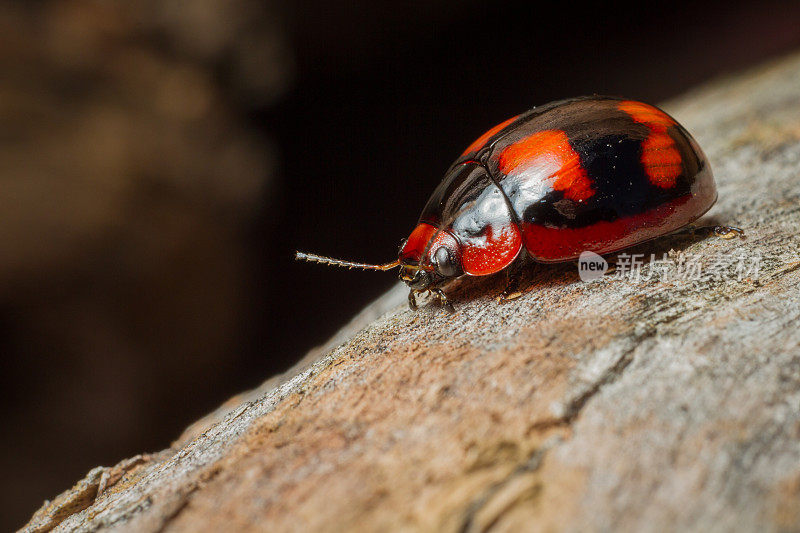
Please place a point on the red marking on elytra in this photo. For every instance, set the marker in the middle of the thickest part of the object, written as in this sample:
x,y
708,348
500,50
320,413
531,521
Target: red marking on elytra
x,y
660,157
549,149
478,143
548,244
491,252
646,114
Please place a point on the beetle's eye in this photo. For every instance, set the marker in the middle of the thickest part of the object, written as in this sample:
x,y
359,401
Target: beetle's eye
x,y
445,265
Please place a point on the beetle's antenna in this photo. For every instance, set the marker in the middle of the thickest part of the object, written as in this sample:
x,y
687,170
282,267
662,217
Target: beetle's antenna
x,y
313,258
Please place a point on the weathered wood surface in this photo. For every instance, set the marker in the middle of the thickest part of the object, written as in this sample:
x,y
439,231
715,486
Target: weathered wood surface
x,y
662,403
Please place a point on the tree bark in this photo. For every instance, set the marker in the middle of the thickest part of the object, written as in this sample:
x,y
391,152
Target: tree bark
x,y
665,398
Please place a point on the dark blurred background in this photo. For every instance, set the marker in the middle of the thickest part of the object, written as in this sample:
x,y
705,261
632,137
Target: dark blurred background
x,y
160,160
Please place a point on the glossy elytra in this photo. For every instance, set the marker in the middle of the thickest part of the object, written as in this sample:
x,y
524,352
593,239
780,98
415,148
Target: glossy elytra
x,y
592,173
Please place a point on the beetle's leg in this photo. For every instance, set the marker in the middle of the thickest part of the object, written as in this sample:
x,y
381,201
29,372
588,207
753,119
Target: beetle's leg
x,y
724,232
511,292
513,279
443,301
412,299
728,232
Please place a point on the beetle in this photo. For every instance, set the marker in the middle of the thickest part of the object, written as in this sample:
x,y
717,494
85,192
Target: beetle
x,y
596,173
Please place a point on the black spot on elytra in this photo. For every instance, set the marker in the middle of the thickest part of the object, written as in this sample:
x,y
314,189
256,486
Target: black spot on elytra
x,y
622,188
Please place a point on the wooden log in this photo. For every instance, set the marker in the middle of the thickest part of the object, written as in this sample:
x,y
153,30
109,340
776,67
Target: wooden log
x,y
664,398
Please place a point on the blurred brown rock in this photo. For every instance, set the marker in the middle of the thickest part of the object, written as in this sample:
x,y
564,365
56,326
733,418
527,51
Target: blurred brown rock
x,y
663,404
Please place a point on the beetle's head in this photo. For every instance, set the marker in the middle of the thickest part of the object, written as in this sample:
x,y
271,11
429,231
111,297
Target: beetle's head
x,y
429,257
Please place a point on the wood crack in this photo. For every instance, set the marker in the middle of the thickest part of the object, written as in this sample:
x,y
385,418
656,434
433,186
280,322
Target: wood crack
x,y
530,465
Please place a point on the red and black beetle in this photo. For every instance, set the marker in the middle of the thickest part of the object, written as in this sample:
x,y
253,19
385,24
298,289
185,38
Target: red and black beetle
x,y
591,173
